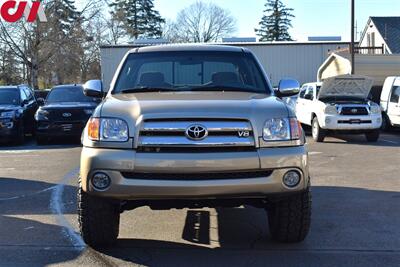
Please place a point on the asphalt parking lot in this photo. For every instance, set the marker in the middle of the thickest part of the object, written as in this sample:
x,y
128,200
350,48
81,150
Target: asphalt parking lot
x,y
355,222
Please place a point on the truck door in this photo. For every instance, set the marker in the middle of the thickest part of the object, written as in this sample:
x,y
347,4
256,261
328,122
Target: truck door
x,y
393,110
300,105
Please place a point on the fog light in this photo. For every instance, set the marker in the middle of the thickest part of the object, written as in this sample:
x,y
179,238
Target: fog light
x,y
101,181
9,125
327,120
291,178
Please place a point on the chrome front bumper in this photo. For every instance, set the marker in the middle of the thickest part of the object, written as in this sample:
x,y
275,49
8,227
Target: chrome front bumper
x,y
114,162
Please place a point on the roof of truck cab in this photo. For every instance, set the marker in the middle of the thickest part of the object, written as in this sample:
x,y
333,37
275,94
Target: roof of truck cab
x,y
9,87
188,47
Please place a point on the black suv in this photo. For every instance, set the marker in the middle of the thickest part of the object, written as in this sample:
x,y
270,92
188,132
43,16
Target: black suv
x,y
64,113
17,108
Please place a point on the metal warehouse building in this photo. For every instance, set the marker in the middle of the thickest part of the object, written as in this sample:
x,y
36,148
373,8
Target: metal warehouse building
x,y
298,60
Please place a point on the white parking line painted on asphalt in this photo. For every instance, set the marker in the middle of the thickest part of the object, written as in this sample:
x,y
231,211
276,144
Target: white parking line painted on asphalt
x,y
314,153
57,208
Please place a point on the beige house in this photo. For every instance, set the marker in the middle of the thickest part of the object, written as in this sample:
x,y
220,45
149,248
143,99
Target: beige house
x,y
377,55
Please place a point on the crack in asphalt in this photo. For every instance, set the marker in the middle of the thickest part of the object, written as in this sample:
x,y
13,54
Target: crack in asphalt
x,y
30,194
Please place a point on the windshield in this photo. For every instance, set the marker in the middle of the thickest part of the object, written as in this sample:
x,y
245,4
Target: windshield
x,y
68,94
9,97
186,71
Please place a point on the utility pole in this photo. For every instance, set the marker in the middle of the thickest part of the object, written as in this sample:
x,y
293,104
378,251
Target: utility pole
x,y
352,50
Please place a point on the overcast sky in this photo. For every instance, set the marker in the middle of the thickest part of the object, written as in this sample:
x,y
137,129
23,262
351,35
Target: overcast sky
x,y
313,17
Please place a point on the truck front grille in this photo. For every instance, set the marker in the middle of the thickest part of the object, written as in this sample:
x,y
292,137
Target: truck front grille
x,y
197,176
354,111
163,135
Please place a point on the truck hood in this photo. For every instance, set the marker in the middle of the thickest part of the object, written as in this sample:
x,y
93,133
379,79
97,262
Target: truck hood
x,y
6,107
347,86
67,105
134,108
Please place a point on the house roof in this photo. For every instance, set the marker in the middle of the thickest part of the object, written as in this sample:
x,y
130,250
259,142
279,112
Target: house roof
x,y
389,28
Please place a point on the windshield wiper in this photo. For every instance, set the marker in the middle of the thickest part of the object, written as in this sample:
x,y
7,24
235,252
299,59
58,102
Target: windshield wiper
x,y
146,89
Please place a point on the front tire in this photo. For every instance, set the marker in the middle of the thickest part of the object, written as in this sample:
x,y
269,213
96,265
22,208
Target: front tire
x,y
372,136
98,219
289,219
318,133
40,140
386,125
21,135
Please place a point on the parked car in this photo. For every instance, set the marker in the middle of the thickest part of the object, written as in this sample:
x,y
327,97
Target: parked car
x,y
193,126
41,95
339,104
64,114
390,103
17,108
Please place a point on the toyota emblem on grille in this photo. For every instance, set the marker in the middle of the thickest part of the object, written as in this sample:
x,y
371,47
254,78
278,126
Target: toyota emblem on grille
x,y
354,110
66,115
196,132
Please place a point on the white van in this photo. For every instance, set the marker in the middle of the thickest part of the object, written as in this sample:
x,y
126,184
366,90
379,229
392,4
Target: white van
x,y
390,102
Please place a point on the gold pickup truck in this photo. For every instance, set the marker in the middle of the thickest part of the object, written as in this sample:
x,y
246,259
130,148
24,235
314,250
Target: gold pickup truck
x,y
189,126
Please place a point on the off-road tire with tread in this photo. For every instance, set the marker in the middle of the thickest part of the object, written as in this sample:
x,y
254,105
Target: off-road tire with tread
x,y
98,219
289,219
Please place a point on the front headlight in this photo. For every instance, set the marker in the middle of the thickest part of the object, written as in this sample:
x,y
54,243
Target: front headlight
x,y
41,115
108,130
7,114
283,129
375,109
330,109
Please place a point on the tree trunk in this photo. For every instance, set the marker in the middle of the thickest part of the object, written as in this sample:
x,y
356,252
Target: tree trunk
x,y
35,74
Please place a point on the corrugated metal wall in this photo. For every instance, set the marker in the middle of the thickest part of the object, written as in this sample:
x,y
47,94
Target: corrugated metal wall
x,y
280,60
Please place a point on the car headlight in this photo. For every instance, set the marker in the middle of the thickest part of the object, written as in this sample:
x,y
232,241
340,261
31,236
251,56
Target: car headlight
x,y
330,109
108,130
7,114
283,129
375,109
41,115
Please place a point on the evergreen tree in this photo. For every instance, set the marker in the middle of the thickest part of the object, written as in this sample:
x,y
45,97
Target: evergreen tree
x,y
275,23
65,24
139,17
65,12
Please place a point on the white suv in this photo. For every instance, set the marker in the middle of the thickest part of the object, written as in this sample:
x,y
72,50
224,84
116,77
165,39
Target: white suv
x,y
339,104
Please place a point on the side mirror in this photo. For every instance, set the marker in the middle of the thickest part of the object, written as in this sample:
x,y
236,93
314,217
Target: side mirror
x,y
288,87
24,102
93,88
40,101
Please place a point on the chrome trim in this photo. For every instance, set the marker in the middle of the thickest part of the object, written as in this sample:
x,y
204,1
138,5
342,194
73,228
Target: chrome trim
x,y
287,143
212,126
182,141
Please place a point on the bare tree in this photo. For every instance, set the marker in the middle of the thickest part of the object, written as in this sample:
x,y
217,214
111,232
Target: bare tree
x,y
39,46
201,22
